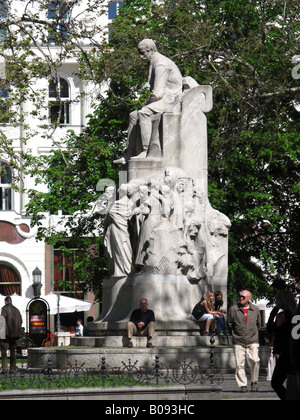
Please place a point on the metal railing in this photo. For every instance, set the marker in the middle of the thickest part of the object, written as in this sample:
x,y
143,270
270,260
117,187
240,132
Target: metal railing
x,y
128,374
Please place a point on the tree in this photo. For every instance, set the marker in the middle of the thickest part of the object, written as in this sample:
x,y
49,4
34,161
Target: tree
x,y
245,52
35,40
72,177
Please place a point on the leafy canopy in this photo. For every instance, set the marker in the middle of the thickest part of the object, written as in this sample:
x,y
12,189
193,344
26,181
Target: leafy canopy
x,y
245,51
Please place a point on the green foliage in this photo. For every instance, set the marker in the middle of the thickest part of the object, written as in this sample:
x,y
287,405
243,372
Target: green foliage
x,y
244,50
71,176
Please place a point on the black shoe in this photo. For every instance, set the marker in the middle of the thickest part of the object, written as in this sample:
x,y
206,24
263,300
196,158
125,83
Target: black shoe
x,y
254,387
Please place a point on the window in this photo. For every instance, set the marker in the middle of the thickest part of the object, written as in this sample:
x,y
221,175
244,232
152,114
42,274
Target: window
x,y
10,281
3,16
113,9
5,187
64,283
59,101
58,14
63,274
4,107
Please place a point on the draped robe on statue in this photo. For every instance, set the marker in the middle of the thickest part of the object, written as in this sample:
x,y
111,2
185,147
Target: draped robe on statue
x,y
117,237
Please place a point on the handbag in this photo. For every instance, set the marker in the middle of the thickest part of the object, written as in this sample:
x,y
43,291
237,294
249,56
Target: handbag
x,y
271,367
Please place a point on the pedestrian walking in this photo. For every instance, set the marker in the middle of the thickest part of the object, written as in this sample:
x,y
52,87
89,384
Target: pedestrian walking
x,y
244,322
280,325
293,382
79,328
13,320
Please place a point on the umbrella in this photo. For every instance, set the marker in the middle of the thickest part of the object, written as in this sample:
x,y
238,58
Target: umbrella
x,y
66,304
20,302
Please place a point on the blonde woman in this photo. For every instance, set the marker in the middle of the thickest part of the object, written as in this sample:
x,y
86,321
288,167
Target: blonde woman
x,y
210,314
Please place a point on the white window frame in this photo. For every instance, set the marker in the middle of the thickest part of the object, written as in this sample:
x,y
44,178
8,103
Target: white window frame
x,y
4,95
64,102
5,190
53,15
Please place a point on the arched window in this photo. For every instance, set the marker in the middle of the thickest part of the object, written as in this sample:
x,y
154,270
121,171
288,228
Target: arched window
x,y
10,281
59,101
5,187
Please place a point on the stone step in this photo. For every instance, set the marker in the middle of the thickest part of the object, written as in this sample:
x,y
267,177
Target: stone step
x,y
158,341
64,357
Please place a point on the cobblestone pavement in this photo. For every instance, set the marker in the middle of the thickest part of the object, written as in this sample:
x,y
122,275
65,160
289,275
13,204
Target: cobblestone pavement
x,y
230,390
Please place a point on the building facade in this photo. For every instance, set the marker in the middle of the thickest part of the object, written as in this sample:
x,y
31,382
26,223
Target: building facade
x,y
20,252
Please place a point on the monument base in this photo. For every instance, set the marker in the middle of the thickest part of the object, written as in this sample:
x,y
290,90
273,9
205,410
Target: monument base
x,y
171,297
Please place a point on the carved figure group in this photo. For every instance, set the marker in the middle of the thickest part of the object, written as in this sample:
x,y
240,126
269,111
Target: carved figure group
x,y
153,227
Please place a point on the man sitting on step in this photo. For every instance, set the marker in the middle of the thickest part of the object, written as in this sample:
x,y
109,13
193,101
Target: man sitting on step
x,y
141,323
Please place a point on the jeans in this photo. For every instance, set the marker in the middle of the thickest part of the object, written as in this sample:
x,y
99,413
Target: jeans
x,y
221,325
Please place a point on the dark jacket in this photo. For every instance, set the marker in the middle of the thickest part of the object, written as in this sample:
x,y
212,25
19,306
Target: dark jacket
x,y
295,342
139,316
244,333
281,333
13,320
199,310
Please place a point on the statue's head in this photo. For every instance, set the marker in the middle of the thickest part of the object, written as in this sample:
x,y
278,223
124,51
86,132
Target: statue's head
x,y
146,49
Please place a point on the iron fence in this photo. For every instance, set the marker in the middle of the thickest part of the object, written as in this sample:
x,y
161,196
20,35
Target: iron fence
x,y
128,374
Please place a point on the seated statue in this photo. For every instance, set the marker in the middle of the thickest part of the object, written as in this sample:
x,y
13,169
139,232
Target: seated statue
x,y
166,84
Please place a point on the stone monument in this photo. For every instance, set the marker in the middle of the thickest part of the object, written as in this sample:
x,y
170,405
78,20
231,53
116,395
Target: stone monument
x,y
163,239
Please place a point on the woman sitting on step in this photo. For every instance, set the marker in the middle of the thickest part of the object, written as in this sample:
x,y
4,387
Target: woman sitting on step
x,y
204,311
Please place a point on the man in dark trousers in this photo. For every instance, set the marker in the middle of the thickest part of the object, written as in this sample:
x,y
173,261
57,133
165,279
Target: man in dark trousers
x,y
141,323
13,321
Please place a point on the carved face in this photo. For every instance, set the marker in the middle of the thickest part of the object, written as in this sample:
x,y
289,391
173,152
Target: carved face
x,y
143,191
109,192
180,185
145,53
193,230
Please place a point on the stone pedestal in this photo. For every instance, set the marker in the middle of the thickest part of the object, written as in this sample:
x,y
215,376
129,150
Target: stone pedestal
x,y
173,245
140,168
169,296
172,299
